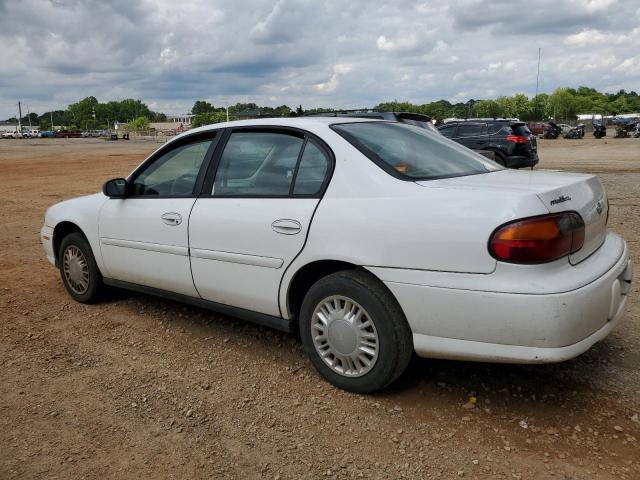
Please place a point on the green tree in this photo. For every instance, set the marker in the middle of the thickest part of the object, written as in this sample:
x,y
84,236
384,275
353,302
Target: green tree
x,y
522,107
81,113
562,104
488,109
138,124
202,106
209,118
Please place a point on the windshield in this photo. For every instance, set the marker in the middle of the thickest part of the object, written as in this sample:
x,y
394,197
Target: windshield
x,y
413,153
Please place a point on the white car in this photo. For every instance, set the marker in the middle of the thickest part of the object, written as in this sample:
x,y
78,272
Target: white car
x,y
11,135
373,239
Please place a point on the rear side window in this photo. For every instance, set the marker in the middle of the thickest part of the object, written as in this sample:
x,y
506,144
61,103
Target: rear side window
x,y
312,170
413,153
499,129
472,129
521,129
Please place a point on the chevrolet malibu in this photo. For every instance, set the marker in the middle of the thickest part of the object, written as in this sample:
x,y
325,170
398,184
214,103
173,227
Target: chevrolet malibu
x,y
371,239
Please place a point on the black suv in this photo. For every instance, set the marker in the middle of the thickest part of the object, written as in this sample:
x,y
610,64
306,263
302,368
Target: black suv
x,y
416,119
511,141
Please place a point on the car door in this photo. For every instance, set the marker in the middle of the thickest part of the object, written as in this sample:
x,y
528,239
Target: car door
x,y
254,214
144,236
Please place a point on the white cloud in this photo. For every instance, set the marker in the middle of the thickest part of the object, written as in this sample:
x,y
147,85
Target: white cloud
x,y
594,37
338,71
406,42
314,53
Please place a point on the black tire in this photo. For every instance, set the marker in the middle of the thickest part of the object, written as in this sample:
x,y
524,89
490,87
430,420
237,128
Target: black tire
x,y
95,288
394,335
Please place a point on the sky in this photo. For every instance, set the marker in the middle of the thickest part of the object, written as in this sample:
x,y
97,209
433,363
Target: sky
x,y
345,54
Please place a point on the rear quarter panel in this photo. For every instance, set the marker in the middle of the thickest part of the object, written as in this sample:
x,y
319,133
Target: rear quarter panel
x,y
369,218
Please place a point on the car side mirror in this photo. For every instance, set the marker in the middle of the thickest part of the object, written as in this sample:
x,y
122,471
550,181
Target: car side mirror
x,y
115,188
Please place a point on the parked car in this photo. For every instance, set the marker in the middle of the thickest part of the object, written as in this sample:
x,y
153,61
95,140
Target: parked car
x,y
537,128
93,133
30,133
47,134
416,119
68,134
373,239
511,141
11,135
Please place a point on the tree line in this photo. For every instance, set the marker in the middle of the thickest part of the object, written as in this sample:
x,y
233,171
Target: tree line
x,y
90,114
562,104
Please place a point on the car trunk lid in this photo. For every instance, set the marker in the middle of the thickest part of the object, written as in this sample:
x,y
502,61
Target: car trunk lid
x,y
587,197
558,192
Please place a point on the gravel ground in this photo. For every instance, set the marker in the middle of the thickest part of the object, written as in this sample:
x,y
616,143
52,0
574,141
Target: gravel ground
x,y
148,388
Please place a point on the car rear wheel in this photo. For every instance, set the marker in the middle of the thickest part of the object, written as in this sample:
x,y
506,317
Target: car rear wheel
x,y
78,269
354,332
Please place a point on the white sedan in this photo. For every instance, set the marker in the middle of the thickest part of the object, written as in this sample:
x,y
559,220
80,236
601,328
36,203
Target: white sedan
x,y
372,239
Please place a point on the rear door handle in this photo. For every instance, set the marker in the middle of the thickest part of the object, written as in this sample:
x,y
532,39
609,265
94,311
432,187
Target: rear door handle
x,y
171,218
286,226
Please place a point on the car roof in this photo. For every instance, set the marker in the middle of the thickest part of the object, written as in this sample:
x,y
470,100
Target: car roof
x,y
299,122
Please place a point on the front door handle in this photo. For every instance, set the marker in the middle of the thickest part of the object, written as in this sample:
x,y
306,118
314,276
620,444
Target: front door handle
x,y
171,218
286,226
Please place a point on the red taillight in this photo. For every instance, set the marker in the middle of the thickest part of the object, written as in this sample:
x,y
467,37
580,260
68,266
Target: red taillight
x,y
538,239
518,138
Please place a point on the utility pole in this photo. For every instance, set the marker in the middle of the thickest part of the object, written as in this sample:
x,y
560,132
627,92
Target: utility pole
x,y
537,82
19,118
51,116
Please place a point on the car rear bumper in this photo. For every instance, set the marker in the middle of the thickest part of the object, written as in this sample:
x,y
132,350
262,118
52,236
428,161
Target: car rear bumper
x,y
466,323
517,161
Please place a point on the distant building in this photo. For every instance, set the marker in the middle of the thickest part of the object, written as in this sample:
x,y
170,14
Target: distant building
x,y
9,127
185,120
589,116
168,128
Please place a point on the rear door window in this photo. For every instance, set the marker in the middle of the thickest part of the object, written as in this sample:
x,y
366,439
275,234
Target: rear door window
x,y
257,164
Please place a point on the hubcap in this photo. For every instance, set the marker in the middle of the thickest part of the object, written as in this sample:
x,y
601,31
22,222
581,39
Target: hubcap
x,y
75,269
344,336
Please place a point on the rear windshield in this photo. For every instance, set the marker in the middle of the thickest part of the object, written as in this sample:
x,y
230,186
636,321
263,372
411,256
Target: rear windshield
x,y
419,123
413,153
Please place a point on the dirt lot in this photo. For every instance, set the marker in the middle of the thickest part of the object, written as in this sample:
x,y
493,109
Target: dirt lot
x,y
145,388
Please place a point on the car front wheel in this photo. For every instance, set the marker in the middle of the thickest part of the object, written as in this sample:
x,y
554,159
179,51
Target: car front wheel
x,y
354,332
78,269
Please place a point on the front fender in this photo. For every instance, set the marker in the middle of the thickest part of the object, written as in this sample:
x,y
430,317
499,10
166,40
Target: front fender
x,y
83,212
